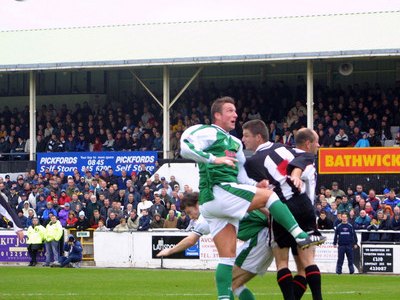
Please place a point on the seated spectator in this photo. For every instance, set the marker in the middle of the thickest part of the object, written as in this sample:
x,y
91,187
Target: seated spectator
x,y
71,220
31,215
122,226
384,224
157,222
47,212
387,210
171,220
64,198
108,145
94,220
374,226
345,205
375,202
112,221
337,220
74,249
183,221
133,220
97,146
26,207
82,145
352,217
360,191
83,222
323,222
362,221
341,139
127,211
335,191
22,219
144,221
63,214
392,200
157,207
70,144
369,210
102,227
374,140
144,204
395,225
363,142
329,197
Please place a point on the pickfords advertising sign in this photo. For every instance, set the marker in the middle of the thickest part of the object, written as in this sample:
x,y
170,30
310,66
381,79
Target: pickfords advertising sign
x,y
67,162
359,160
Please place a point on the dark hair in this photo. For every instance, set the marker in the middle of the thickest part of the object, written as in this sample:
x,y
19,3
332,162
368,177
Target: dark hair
x,y
257,127
189,200
303,135
216,107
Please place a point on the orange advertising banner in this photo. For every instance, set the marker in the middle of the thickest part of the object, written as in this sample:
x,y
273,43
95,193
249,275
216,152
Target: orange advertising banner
x,y
359,160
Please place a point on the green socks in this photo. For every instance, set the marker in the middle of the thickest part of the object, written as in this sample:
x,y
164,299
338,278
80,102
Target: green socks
x,y
246,294
283,216
223,277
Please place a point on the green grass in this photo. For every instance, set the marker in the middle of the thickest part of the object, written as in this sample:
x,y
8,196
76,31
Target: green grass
x,y
97,283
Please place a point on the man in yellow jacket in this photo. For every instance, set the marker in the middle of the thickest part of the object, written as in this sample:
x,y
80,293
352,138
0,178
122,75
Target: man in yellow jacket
x,y
36,236
54,232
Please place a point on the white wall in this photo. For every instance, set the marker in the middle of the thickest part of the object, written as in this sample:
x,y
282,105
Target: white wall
x,y
185,173
134,249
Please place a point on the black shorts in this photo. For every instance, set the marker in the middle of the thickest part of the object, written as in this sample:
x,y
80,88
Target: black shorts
x,y
304,213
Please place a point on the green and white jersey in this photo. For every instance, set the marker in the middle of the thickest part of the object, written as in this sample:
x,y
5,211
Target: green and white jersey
x,y
251,225
203,143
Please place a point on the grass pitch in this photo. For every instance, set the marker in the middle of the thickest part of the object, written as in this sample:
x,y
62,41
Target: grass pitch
x,y
96,283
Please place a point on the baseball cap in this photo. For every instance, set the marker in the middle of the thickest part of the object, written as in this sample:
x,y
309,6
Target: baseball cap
x,y
385,191
162,178
67,204
81,213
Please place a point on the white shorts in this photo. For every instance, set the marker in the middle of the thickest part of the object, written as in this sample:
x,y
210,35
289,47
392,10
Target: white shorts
x,y
255,256
230,204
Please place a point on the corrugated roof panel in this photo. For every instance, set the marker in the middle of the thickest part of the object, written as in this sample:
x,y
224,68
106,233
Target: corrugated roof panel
x,y
365,34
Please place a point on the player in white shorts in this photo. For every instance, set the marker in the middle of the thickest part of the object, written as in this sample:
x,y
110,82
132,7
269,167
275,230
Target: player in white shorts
x,y
253,257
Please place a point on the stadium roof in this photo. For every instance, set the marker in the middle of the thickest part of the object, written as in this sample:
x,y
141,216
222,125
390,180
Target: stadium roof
x,y
203,42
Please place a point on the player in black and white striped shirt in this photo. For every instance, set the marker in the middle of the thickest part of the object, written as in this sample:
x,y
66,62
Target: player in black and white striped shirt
x,y
7,211
286,169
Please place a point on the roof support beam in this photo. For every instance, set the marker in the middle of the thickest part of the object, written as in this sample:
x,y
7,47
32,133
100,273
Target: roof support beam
x,y
310,94
186,86
32,115
166,105
146,88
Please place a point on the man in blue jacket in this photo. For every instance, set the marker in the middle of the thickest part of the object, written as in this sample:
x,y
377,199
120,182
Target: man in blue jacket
x,y
346,238
74,249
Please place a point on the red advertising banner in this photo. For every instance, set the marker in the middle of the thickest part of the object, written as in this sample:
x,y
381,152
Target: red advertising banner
x,y
359,160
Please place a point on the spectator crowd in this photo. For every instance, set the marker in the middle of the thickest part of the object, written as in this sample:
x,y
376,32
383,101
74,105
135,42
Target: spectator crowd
x,y
354,116
106,202
100,201
364,209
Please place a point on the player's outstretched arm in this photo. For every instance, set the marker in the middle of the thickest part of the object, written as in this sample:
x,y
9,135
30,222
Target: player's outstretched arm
x,y
187,242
